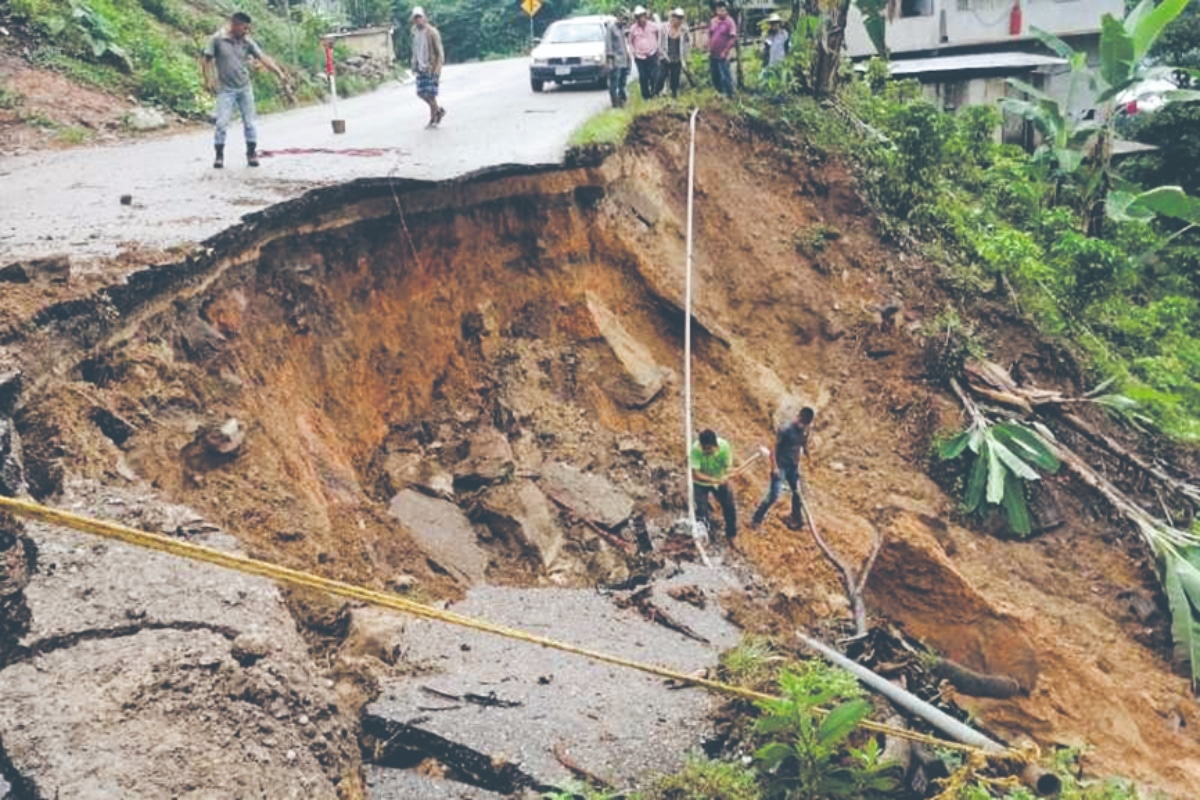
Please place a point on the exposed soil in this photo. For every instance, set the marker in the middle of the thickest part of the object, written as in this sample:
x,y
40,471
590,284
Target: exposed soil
x,y
380,324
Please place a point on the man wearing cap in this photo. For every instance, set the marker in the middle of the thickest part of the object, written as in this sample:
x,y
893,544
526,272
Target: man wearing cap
x,y
427,59
643,40
776,43
722,36
675,44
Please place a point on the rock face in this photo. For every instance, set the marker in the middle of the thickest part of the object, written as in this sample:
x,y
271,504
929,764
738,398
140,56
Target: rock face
x,y
639,378
404,469
128,682
519,512
591,496
443,531
490,459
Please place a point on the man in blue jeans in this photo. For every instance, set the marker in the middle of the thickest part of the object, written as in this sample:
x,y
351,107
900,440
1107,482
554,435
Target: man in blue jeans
x,y
791,441
227,72
722,38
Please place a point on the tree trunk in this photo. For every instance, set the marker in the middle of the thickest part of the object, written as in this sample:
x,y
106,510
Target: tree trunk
x,y
828,57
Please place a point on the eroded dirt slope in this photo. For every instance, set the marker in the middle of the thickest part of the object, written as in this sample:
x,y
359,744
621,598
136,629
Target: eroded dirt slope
x,y
369,339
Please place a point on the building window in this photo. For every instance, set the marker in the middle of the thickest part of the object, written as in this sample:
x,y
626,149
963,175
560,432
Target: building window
x,y
916,8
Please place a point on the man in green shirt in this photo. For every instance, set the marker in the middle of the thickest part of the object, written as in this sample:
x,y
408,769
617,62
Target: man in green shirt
x,y
712,463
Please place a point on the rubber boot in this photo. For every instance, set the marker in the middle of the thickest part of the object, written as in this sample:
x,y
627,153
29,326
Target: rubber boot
x,y
219,160
251,154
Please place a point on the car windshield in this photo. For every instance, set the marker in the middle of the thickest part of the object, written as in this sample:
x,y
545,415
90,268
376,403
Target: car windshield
x,y
571,34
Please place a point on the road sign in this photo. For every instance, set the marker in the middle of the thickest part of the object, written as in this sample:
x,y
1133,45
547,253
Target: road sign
x,y
531,7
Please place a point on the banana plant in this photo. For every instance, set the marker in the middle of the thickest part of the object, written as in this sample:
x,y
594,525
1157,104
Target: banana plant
x,y
1005,455
1124,72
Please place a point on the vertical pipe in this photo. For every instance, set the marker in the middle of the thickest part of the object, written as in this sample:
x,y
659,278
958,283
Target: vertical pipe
x,y
687,339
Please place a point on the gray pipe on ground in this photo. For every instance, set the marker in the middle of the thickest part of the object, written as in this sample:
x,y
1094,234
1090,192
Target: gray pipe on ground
x,y
1041,780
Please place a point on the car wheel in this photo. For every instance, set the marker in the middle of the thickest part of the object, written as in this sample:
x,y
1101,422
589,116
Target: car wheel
x,y
536,85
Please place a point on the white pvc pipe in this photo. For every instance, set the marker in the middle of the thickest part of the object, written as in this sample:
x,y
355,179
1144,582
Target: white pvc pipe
x,y
906,700
687,343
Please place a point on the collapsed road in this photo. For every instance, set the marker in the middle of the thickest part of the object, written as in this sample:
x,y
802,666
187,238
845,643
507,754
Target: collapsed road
x,y
430,388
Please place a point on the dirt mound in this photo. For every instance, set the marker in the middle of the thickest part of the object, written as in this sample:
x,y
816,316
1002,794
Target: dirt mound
x,y
367,335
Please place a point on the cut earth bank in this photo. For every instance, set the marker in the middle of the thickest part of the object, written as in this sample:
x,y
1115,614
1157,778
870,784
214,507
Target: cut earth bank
x,y
416,370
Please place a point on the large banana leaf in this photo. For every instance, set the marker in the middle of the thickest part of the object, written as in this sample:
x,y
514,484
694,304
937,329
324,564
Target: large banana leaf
x,y
978,480
1015,507
1027,444
1181,580
1145,24
1116,52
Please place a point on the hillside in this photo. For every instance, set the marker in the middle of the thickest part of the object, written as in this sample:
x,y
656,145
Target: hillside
x,y
80,71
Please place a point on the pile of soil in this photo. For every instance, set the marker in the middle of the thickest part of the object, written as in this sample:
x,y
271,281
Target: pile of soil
x,y
367,337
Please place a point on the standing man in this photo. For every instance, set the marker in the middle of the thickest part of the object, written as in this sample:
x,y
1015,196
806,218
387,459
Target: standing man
x,y
427,59
643,40
227,72
791,441
712,462
675,46
722,36
776,43
616,52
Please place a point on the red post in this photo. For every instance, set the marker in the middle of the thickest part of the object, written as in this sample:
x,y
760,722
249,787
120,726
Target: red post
x,y
1014,19
328,57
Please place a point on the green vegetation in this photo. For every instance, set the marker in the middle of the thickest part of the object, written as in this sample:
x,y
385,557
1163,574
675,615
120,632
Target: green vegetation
x,y
754,663
703,779
152,48
608,128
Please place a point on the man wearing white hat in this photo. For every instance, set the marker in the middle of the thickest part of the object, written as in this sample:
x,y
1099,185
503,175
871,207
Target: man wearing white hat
x,y
776,43
643,40
427,59
675,44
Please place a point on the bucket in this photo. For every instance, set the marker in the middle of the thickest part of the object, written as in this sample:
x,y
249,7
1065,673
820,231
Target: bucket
x,y
339,126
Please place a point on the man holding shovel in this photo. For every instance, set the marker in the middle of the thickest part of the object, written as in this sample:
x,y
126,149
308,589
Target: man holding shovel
x,y
227,72
427,59
712,467
791,440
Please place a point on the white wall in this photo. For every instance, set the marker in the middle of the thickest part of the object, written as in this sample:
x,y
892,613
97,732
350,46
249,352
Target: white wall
x,y
958,23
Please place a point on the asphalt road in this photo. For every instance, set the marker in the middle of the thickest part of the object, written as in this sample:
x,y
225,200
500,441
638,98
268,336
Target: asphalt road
x,y
69,201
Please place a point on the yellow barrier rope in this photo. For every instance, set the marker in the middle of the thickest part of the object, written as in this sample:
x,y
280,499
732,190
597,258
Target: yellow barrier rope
x,y
251,566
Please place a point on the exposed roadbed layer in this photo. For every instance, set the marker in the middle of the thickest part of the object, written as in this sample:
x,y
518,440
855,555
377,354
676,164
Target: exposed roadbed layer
x,y
615,722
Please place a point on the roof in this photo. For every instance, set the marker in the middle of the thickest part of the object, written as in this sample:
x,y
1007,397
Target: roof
x,y
589,18
359,32
1126,147
1008,61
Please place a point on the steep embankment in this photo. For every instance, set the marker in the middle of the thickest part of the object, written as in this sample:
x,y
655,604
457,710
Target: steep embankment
x,y
466,337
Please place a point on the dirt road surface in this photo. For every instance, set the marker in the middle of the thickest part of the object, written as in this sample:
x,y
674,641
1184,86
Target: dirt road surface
x,y
55,202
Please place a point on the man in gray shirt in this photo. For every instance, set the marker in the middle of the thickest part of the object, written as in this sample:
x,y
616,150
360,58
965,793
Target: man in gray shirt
x,y
227,72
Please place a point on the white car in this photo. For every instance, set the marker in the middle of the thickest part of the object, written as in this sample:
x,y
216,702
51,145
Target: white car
x,y
571,51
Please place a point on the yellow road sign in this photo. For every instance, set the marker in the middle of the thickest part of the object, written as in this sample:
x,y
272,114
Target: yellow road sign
x,y
531,7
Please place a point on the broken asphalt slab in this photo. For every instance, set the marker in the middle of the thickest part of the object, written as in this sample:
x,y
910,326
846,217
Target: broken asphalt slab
x,y
517,702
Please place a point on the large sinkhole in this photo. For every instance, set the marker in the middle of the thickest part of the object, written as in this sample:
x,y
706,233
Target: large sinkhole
x,y
472,392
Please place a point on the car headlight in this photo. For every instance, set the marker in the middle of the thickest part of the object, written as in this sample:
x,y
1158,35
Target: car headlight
x,y
540,62
594,60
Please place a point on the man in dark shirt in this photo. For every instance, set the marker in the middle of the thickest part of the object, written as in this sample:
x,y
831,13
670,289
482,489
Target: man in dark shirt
x,y
791,441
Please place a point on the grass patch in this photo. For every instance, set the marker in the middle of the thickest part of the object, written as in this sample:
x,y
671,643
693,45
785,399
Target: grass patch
x,y
74,135
754,663
608,128
701,779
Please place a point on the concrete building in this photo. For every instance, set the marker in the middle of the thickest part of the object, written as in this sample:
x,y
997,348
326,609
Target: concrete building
x,y
963,51
374,43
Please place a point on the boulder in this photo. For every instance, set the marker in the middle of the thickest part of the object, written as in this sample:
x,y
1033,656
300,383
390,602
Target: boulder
x,y
490,459
443,531
638,378
404,470
519,512
376,633
142,118
588,494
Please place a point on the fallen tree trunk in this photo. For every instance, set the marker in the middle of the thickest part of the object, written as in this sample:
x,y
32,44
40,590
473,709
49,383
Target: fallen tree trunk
x,y
975,684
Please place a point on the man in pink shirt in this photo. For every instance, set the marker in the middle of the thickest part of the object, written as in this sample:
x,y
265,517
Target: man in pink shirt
x,y
722,36
643,40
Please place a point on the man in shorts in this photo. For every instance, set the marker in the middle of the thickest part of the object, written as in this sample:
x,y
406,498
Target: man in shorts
x,y
427,59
